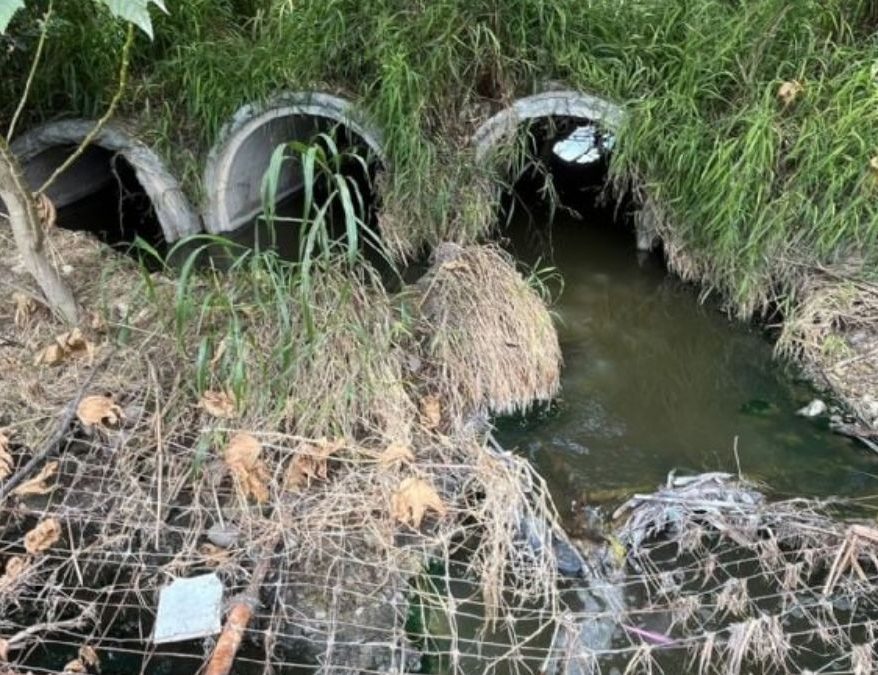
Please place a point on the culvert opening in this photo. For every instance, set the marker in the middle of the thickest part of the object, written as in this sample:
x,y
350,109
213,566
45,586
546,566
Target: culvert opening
x,y
99,194
340,174
560,180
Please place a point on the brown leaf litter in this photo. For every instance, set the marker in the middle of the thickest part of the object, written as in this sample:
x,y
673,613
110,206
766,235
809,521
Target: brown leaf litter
x,y
431,411
396,453
43,536
39,484
412,499
219,404
789,91
242,457
310,462
99,411
69,345
15,567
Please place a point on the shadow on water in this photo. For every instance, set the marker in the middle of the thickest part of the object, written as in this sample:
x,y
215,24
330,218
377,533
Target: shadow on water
x,y
655,380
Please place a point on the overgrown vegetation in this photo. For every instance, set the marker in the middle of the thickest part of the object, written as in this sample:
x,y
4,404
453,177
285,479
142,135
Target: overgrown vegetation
x,y
747,180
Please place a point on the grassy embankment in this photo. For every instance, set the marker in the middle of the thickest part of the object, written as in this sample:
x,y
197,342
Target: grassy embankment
x,y
749,185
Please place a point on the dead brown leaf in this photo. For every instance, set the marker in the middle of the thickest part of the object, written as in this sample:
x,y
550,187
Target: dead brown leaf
x,y
97,322
15,567
43,536
311,462
75,666
396,453
99,411
89,655
67,345
789,91
412,500
39,484
242,456
6,460
213,555
25,307
219,404
431,411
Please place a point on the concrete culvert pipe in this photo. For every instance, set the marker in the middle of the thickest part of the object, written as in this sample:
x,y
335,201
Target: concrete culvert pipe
x,y
500,128
237,163
595,117
118,189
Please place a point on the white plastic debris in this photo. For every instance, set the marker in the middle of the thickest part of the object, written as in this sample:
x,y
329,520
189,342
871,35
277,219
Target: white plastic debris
x,y
813,409
580,147
188,609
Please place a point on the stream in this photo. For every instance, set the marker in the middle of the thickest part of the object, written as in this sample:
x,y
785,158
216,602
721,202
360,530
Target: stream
x,y
655,380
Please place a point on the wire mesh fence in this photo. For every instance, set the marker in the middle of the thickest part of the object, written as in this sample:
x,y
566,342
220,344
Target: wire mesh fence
x,y
704,576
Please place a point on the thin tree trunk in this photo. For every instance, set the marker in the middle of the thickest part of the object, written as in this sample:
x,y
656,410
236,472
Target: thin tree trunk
x,y
28,233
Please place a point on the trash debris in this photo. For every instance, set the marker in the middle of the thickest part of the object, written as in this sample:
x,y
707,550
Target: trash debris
x,y
813,409
580,147
189,608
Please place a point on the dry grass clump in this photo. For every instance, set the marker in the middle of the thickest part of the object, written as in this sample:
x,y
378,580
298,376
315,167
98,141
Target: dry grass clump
x,y
832,327
489,339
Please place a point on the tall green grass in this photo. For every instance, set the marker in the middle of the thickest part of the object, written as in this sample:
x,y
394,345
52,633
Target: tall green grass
x,y
746,181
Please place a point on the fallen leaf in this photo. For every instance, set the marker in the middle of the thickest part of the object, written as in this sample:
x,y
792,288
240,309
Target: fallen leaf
x,y
873,165
789,91
25,307
242,456
71,344
213,555
75,666
98,323
43,536
15,567
412,499
99,411
89,656
431,411
218,404
38,485
394,453
6,461
311,462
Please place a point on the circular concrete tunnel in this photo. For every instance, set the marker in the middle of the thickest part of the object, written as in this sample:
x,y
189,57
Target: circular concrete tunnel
x,y
119,189
501,127
581,129
237,163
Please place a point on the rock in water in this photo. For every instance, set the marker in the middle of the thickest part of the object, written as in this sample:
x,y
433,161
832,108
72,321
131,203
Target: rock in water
x,y
813,409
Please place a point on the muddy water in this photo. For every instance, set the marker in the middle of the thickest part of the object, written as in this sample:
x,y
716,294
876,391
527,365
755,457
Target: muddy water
x,y
655,380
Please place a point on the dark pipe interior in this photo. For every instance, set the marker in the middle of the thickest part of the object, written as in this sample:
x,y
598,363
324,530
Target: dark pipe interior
x,y
283,236
113,206
547,183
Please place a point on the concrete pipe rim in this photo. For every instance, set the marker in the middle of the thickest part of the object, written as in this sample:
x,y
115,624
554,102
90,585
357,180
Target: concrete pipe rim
x,y
174,212
556,102
253,116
